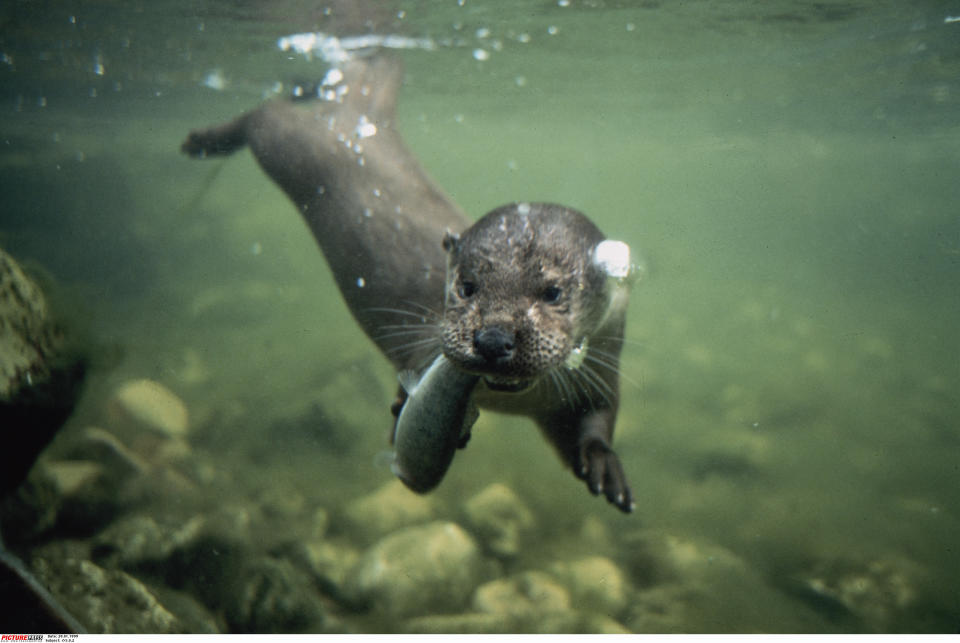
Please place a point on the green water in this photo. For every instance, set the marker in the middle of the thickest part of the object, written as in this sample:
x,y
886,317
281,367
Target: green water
x,y
789,170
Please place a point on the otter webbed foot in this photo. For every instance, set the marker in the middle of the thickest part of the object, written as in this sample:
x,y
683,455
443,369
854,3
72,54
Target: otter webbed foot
x,y
600,468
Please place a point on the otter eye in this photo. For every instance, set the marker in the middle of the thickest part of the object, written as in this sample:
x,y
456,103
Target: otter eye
x,y
466,289
551,294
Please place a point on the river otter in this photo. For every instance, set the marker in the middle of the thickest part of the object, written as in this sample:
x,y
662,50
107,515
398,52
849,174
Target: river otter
x,y
526,306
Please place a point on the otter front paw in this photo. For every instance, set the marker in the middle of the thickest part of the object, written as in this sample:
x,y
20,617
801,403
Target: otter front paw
x,y
600,468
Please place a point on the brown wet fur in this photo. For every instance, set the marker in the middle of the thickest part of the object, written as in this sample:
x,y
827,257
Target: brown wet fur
x,y
378,217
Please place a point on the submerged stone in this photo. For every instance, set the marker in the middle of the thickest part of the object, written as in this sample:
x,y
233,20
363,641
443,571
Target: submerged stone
x,y
149,406
469,623
270,596
499,519
522,595
419,570
596,583
881,593
387,509
106,601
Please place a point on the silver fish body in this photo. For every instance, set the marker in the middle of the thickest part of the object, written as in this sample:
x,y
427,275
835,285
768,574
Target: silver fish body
x,y
439,409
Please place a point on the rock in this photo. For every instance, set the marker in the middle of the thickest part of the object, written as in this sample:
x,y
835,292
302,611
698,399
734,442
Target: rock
x,y
470,623
40,377
554,622
270,596
151,419
132,543
100,446
880,593
688,586
666,609
26,334
150,406
575,622
596,584
327,562
389,508
105,601
83,495
595,535
522,595
653,557
499,519
419,570
211,557
200,555
134,476
75,498
207,554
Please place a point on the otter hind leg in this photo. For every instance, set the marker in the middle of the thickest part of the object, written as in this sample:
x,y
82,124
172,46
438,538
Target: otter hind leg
x,y
218,140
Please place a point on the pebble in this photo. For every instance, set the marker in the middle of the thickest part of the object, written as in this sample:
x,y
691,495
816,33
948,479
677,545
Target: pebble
x,y
101,446
84,495
596,583
499,519
387,509
522,595
149,406
879,592
328,562
469,623
422,570
271,596
106,601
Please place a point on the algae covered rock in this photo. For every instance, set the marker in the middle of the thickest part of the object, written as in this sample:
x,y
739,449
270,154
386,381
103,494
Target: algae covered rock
x,y
499,519
387,509
468,623
271,596
107,601
596,583
522,595
576,622
40,377
151,419
328,562
433,568
881,592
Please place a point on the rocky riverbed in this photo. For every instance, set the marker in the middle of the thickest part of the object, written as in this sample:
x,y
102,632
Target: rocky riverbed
x,y
126,528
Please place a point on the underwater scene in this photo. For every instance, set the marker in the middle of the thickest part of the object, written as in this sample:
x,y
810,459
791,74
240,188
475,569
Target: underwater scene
x,y
197,424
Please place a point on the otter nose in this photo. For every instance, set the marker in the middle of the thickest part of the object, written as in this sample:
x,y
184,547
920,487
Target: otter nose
x,y
494,344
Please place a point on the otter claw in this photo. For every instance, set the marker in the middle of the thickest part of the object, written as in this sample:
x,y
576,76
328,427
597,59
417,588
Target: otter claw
x,y
600,468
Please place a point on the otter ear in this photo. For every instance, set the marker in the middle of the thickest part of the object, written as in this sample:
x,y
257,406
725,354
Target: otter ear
x,y
451,241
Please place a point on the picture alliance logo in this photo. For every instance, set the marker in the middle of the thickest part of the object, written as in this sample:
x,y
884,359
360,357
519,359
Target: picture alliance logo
x,y
21,637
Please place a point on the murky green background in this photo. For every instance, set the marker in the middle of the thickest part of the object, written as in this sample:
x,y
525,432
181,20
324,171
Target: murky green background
x,y
791,171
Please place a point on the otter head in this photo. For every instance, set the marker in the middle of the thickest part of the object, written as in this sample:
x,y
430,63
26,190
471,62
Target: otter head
x,y
523,292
